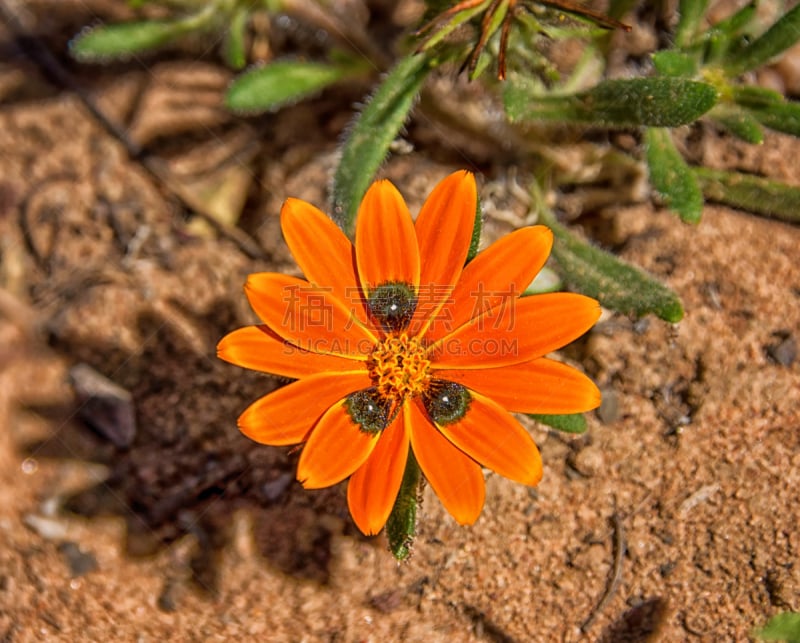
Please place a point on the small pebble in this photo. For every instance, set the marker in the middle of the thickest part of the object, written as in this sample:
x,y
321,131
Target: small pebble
x,y
589,461
79,562
784,352
609,408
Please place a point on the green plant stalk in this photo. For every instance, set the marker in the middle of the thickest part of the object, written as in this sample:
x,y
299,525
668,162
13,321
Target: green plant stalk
x,y
401,527
372,133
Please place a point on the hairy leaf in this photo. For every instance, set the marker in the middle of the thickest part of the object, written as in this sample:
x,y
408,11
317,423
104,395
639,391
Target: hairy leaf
x,y
777,39
616,284
656,102
690,13
125,39
572,423
372,133
751,193
671,176
781,627
280,83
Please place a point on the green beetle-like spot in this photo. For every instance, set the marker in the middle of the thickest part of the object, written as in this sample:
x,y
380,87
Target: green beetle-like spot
x,y
368,410
446,402
392,305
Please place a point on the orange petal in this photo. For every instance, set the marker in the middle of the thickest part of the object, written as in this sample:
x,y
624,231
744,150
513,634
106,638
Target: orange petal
x,y
501,272
518,330
373,488
308,316
323,252
539,386
334,450
287,415
444,232
386,244
492,436
261,349
456,478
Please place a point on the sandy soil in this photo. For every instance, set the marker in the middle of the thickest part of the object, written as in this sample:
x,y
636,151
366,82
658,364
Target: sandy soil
x,y
680,503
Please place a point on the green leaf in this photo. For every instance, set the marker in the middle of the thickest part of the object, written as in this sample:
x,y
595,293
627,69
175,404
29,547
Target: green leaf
x,y
674,63
449,27
777,39
671,176
782,117
753,96
477,226
616,284
235,50
372,133
280,83
781,627
402,524
657,102
751,193
572,423
690,14
726,36
739,123
125,39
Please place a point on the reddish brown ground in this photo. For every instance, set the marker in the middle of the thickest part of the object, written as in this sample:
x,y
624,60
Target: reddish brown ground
x,y
693,469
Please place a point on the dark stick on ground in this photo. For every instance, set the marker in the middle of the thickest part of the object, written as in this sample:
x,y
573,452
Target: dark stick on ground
x,y
616,574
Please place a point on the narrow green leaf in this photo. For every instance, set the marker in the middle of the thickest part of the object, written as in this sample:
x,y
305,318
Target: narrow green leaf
x,y
280,83
690,14
739,123
783,117
778,38
125,39
616,284
674,63
781,627
235,51
657,102
671,176
751,193
477,226
726,37
402,524
753,96
572,423
372,133
449,27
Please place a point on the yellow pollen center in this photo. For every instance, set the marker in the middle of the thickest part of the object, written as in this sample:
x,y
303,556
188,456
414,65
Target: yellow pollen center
x,y
399,367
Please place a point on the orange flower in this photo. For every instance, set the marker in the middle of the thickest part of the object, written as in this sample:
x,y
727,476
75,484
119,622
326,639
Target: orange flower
x,y
396,344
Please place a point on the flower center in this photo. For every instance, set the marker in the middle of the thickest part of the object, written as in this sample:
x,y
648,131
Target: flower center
x,y
399,367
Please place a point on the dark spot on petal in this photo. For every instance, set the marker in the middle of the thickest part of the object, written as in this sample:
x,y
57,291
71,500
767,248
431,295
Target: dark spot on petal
x,y
369,410
392,305
446,402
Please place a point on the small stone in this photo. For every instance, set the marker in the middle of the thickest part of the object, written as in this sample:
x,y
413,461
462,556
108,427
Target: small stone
x,y
274,489
783,352
103,405
79,562
589,461
609,408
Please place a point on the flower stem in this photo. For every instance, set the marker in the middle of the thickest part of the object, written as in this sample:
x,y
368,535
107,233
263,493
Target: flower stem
x,y
402,524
